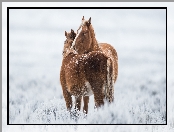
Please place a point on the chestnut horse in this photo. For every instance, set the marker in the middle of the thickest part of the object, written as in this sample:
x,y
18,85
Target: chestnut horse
x,y
86,42
84,75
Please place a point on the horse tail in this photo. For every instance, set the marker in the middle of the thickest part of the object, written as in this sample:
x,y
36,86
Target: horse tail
x,y
110,82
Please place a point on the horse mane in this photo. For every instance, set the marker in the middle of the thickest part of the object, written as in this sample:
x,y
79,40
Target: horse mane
x,y
95,46
78,32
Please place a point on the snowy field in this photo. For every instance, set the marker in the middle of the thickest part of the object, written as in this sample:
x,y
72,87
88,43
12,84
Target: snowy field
x,y
35,55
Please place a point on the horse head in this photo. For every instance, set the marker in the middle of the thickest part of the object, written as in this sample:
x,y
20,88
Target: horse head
x,y
70,35
68,43
83,41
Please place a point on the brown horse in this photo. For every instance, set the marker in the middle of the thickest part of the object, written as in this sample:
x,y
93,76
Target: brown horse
x,y
84,75
86,42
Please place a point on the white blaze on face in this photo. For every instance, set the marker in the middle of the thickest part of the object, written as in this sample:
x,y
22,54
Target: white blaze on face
x,y
78,32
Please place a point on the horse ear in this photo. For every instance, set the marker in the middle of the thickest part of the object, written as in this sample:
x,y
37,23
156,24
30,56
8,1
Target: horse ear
x,y
89,20
72,31
65,33
83,18
74,35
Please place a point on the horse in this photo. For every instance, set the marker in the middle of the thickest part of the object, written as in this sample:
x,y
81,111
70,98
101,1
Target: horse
x,y
85,42
84,75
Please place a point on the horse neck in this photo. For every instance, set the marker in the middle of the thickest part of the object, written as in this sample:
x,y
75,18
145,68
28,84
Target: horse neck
x,y
95,46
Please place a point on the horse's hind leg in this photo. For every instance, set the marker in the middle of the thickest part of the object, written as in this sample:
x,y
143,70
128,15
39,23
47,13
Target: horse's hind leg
x,y
98,95
74,114
86,101
68,99
78,102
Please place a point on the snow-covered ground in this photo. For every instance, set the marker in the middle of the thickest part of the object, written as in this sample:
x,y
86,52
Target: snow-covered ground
x,y
35,54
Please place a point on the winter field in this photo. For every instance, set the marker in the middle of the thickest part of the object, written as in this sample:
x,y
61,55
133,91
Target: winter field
x,y
35,55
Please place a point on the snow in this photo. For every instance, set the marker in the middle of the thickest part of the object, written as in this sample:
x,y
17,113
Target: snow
x,y
76,62
35,93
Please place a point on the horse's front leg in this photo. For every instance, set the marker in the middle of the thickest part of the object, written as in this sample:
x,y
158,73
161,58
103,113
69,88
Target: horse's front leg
x,y
86,101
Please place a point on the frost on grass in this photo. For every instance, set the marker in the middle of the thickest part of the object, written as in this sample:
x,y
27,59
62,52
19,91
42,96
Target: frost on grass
x,y
40,101
54,112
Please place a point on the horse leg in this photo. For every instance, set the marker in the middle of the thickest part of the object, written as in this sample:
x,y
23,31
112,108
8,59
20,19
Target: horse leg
x,y
66,94
98,97
68,99
78,102
98,94
86,101
74,114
